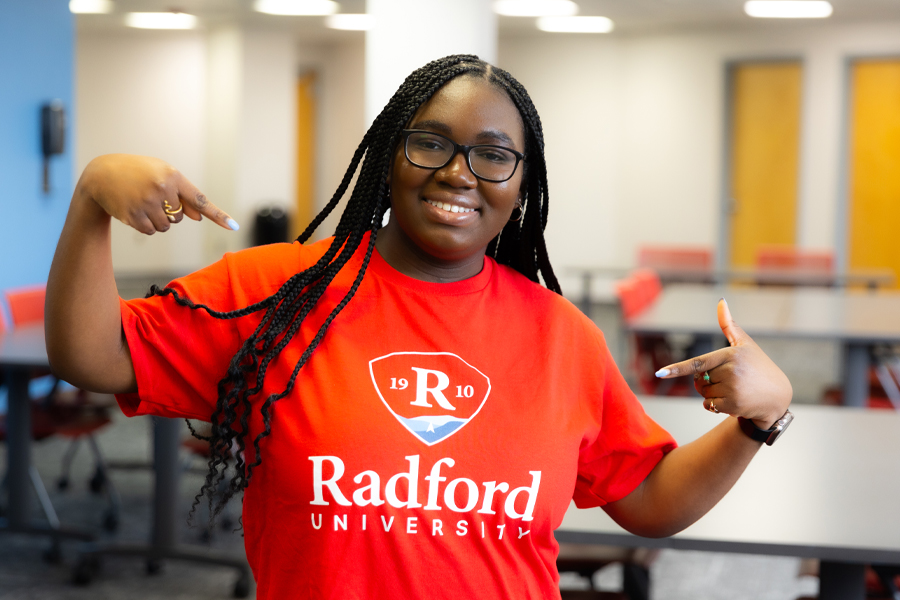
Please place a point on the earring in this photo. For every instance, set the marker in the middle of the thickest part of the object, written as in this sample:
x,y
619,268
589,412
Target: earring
x,y
521,212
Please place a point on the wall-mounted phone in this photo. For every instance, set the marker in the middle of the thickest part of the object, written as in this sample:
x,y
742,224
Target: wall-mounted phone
x,y
53,135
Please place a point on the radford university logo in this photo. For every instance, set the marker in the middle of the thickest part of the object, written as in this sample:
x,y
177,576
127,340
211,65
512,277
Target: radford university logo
x,y
432,394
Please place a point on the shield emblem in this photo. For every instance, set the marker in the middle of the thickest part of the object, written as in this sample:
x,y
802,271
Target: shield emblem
x,y
432,394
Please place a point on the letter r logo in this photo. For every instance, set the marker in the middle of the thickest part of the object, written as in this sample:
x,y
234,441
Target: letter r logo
x,y
422,389
432,394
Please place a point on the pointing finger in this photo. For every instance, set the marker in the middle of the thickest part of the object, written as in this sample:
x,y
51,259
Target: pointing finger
x,y
196,206
698,364
732,330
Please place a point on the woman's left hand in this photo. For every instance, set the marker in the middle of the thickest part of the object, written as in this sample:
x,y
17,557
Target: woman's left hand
x,y
743,381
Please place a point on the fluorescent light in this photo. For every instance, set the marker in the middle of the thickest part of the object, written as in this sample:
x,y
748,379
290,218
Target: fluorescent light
x,y
352,22
535,8
575,24
296,7
90,7
788,9
161,20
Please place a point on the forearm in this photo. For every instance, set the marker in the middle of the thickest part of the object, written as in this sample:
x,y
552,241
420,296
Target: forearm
x,y
686,483
83,324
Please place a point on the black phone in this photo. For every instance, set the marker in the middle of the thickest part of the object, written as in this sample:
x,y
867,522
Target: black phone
x,y
53,135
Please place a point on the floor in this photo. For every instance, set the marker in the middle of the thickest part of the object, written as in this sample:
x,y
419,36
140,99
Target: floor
x,y
675,575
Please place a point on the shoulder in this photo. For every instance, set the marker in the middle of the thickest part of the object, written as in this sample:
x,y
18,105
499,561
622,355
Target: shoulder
x,y
547,309
247,276
518,288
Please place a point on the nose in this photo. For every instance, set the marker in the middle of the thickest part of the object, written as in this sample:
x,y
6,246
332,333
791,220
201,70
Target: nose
x,y
457,173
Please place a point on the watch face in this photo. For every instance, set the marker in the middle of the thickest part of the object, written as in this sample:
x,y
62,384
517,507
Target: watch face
x,y
781,426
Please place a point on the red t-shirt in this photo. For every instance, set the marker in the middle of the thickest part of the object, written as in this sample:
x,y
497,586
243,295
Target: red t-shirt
x,y
432,443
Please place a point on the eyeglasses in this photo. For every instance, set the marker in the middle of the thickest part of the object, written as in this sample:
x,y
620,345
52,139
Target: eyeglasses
x,y
434,151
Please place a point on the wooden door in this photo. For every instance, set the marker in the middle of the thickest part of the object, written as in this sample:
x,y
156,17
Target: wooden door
x,y
306,140
874,207
765,156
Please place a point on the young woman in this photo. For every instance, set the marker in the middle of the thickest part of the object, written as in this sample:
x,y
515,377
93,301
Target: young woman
x,y
412,410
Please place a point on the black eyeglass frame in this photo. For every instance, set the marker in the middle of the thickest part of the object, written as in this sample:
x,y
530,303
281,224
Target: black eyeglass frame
x,y
457,148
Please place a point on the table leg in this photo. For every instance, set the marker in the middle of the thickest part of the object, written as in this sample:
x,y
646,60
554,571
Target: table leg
x,y
841,581
586,293
856,374
163,544
166,437
19,450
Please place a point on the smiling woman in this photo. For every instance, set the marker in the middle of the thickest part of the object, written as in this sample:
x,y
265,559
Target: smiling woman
x,y
399,395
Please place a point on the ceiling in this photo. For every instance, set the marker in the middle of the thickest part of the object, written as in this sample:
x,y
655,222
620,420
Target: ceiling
x,y
630,16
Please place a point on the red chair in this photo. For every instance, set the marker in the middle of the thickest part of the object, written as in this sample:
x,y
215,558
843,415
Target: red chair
x,y
650,353
790,258
26,304
678,263
63,412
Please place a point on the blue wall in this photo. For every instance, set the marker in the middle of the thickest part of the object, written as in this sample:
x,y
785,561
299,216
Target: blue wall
x,y
36,66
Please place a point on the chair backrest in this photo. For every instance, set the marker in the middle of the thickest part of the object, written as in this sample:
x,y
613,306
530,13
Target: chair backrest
x,y
26,304
637,291
781,258
699,258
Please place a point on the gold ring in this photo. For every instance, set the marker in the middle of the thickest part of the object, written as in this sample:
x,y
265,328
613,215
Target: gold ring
x,y
706,376
171,218
168,208
712,407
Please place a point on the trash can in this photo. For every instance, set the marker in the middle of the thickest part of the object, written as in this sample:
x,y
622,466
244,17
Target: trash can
x,y
271,226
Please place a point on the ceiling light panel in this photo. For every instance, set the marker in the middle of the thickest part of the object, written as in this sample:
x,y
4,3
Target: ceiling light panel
x,y
161,20
788,9
535,8
90,7
296,7
575,24
350,21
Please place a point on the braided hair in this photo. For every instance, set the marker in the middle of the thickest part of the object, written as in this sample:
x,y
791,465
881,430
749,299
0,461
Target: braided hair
x,y
519,245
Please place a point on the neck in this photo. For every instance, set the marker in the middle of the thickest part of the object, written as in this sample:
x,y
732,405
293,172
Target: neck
x,y
405,256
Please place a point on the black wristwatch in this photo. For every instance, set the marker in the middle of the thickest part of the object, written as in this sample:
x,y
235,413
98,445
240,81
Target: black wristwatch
x,y
766,435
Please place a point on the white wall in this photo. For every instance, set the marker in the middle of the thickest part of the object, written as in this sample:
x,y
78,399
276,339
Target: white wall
x,y
219,105
647,114
634,126
145,94
340,116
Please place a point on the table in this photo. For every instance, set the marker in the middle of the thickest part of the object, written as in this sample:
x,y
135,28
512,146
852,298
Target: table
x,y
870,278
828,489
22,350
859,320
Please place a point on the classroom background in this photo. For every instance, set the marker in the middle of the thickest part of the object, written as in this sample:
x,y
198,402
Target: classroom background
x,y
677,124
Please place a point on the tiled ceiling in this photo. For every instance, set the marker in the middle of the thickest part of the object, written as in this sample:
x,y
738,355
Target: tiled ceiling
x,y
630,16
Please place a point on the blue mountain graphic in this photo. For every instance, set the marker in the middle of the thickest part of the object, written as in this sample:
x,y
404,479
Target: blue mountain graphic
x,y
435,428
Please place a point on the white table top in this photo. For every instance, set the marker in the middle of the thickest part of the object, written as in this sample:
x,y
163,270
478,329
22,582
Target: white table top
x,y
23,347
829,488
813,313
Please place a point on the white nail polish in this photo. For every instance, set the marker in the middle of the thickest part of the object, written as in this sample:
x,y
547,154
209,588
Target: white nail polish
x,y
662,372
233,224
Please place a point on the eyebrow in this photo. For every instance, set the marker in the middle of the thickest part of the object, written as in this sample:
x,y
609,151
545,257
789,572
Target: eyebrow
x,y
486,135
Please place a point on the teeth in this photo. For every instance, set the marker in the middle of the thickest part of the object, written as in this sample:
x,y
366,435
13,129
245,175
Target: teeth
x,y
450,207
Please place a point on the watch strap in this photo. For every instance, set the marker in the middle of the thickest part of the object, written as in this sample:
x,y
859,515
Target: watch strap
x,y
768,436
754,432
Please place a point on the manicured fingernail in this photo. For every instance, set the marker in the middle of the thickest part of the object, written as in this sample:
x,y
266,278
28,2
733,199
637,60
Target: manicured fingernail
x,y
662,372
233,224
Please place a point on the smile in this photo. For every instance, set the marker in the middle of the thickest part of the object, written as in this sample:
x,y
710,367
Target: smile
x,y
449,207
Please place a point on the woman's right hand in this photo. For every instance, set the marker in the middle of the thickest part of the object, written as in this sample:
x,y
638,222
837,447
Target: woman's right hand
x,y
146,193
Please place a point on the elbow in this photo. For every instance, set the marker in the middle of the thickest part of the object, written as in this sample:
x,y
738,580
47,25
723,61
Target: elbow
x,y
654,529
